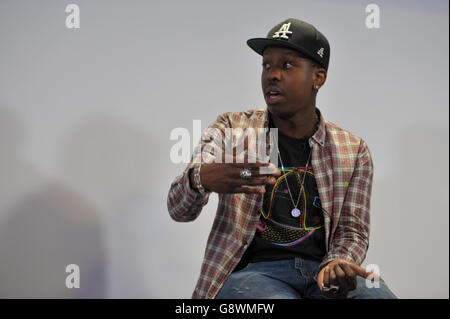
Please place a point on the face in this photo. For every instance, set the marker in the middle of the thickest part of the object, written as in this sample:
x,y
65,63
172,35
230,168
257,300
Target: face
x,y
287,81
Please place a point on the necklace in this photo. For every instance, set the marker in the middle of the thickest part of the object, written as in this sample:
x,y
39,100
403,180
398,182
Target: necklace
x,y
295,212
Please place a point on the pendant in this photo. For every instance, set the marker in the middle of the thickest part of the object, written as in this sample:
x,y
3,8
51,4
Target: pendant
x,y
295,212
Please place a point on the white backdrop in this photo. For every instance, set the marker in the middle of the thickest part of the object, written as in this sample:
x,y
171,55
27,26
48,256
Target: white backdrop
x,y
86,114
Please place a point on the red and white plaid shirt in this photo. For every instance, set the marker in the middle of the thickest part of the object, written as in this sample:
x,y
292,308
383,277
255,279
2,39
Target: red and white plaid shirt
x,y
343,170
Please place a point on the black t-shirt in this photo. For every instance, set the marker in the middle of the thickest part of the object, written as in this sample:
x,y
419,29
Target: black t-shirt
x,y
279,235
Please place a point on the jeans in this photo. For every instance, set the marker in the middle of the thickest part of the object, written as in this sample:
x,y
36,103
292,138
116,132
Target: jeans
x,y
289,279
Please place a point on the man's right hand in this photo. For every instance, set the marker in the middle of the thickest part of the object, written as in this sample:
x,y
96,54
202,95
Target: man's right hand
x,y
225,177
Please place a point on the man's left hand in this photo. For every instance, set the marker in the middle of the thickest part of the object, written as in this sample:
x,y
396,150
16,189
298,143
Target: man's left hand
x,y
341,273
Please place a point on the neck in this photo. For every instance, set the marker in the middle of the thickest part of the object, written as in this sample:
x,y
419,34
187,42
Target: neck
x,y
300,125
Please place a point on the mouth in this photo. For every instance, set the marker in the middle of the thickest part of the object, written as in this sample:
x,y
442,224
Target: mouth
x,y
272,95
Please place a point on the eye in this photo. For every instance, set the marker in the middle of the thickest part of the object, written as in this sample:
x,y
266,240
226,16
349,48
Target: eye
x,y
288,65
265,65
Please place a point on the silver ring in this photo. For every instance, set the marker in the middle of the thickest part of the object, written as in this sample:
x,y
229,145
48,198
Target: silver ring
x,y
245,173
332,288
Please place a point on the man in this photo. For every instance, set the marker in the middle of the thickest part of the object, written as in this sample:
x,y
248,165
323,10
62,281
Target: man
x,y
302,230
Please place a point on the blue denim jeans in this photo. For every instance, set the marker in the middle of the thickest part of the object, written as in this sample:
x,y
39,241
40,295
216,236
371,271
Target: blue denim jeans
x,y
289,279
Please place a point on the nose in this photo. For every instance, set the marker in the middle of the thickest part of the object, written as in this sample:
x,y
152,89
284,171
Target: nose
x,y
274,74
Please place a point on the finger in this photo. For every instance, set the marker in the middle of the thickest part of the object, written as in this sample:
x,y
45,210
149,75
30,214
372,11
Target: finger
x,y
326,277
249,190
257,164
341,279
253,181
259,181
350,276
360,271
235,172
270,169
333,278
254,170
326,283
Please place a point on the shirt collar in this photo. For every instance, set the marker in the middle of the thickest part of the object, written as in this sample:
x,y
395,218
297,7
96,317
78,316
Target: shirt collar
x,y
318,137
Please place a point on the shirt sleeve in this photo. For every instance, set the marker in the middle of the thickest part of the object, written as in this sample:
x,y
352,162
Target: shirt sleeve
x,y
351,238
183,202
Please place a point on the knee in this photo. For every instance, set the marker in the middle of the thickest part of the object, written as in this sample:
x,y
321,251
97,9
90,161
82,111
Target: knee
x,y
371,290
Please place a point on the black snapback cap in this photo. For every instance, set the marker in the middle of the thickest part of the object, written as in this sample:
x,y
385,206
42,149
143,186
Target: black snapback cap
x,y
298,35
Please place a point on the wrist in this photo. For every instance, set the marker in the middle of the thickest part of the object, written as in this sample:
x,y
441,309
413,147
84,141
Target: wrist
x,y
191,180
196,180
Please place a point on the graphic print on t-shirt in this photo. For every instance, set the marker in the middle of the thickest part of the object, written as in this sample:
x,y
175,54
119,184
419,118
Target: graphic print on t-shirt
x,y
277,225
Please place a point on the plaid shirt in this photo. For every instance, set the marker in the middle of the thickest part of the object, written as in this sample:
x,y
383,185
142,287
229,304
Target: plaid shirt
x,y
343,170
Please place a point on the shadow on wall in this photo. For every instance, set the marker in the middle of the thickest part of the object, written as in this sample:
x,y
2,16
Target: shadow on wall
x,y
120,167
108,159
44,226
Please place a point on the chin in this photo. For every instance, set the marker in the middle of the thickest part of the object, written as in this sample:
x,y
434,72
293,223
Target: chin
x,y
279,110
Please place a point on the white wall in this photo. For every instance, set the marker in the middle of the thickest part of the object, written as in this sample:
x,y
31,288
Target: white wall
x,y
85,118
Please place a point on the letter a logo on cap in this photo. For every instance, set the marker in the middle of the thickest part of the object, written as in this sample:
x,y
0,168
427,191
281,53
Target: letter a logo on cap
x,y
283,31
320,52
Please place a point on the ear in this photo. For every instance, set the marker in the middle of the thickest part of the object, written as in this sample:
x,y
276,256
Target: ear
x,y
319,76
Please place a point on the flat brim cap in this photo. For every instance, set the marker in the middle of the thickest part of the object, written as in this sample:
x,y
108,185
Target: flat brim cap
x,y
297,35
